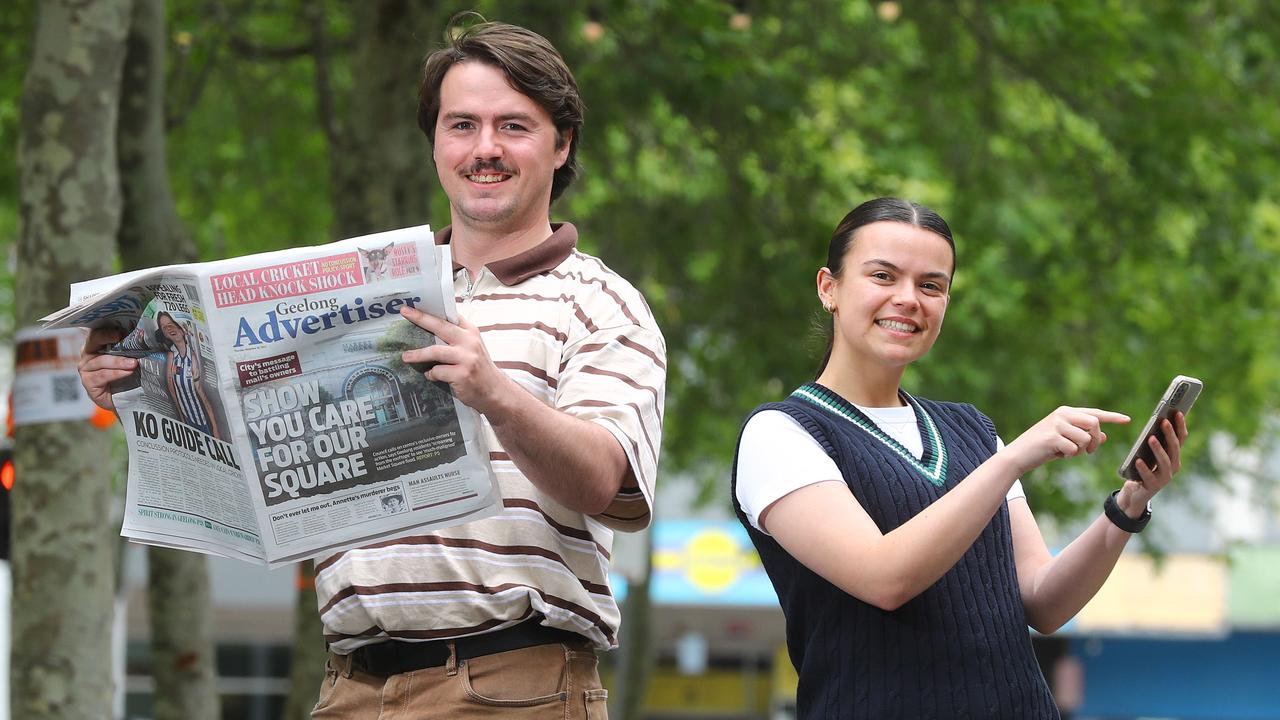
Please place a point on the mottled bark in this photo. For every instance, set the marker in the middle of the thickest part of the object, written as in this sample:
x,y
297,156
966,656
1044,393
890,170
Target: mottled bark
x,y
183,661
182,648
63,552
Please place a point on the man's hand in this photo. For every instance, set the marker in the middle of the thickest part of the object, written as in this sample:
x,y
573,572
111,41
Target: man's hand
x,y
577,463
463,362
98,371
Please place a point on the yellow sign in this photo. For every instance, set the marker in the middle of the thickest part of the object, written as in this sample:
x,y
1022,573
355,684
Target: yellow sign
x,y
711,560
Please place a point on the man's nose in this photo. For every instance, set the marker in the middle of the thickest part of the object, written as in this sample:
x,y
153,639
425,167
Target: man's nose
x,y
488,144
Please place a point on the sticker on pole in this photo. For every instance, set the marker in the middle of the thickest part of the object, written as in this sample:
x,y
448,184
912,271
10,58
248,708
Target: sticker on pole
x,y
46,384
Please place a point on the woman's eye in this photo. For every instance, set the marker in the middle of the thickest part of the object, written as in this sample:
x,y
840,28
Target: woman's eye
x,y
881,275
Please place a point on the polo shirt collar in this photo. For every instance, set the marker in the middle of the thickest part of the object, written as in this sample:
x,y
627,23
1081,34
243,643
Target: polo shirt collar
x,y
538,259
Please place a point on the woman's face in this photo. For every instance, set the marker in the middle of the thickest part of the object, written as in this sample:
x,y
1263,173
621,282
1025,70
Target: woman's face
x,y
892,294
170,329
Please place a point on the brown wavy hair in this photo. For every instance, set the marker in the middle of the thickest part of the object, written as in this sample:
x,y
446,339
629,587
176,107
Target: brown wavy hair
x,y
532,66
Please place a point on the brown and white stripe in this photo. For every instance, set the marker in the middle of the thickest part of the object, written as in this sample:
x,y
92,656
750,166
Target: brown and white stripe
x,y
579,337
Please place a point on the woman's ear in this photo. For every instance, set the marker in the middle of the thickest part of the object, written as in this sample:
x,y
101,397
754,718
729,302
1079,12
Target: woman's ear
x,y
826,283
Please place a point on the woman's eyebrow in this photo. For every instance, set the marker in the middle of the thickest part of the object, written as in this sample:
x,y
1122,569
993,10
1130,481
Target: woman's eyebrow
x,y
890,266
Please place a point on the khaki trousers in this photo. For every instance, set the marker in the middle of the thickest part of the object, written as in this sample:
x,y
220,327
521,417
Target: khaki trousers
x,y
536,683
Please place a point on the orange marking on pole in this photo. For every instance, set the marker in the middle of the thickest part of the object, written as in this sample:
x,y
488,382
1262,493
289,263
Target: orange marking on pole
x,y
102,419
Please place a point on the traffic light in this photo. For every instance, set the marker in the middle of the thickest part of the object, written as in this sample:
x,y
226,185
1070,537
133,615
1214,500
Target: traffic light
x,y
6,484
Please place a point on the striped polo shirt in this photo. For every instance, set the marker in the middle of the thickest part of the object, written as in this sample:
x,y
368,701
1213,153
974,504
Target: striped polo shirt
x,y
581,339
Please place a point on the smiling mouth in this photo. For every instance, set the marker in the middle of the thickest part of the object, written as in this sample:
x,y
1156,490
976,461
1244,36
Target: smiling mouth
x,y
487,179
897,326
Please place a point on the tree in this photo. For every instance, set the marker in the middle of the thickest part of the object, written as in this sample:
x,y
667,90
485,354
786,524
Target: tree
x,y
183,659
63,556
1110,173
379,179
1104,171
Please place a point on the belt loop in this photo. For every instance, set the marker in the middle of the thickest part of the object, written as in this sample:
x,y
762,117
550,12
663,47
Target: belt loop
x,y
451,665
345,665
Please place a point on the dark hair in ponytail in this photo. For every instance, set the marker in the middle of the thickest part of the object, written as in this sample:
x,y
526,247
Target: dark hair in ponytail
x,y
873,211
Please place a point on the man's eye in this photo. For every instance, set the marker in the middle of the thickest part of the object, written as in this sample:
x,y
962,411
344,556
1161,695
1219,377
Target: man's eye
x,y
513,126
932,287
463,125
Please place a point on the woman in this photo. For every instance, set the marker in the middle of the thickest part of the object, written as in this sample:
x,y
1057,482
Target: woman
x,y
183,373
894,528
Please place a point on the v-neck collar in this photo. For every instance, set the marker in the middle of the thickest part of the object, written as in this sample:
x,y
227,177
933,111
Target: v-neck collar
x,y
933,465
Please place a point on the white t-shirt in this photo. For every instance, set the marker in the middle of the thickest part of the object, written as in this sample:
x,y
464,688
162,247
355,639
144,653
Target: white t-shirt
x,y
777,456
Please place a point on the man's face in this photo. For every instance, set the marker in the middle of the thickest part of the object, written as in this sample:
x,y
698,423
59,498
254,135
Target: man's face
x,y
495,151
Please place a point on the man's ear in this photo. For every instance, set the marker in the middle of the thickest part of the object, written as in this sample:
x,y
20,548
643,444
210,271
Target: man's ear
x,y
564,141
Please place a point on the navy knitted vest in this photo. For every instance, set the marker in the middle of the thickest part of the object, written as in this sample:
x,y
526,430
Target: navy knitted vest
x,y
960,649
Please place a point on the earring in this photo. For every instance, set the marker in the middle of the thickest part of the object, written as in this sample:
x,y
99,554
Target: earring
x,y
827,306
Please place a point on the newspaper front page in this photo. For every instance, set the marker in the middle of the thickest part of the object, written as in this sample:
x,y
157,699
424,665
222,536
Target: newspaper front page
x,y
271,418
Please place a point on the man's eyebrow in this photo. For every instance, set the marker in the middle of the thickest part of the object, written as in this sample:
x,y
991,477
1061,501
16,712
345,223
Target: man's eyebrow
x,y
526,117
890,266
461,115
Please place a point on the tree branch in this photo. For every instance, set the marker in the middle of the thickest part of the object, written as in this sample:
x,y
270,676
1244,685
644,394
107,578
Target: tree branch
x,y
249,50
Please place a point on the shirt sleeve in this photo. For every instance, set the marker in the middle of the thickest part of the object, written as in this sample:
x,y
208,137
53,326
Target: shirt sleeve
x,y
776,457
616,377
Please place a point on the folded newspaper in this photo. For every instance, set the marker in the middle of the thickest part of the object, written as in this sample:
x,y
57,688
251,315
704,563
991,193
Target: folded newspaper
x,y
271,418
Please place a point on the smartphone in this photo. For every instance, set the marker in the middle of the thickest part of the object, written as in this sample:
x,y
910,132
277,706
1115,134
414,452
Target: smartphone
x,y
1180,396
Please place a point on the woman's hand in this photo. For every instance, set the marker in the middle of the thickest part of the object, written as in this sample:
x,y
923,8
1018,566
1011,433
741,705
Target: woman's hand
x,y
1134,496
1065,432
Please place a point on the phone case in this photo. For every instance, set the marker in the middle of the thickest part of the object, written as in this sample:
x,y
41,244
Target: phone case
x,y
1180,395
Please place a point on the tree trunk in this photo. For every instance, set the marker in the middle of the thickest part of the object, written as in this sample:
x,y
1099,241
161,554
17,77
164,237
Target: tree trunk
x,y
306,666
380,163
182,649
64,552
382,178
635,646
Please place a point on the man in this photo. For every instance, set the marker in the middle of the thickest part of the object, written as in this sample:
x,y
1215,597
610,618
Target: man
x,y
566,364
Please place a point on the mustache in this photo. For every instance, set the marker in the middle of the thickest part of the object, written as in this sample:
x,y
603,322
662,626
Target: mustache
x,y
482,166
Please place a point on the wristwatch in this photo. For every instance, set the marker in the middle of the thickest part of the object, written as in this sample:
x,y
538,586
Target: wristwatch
x,y
1123,521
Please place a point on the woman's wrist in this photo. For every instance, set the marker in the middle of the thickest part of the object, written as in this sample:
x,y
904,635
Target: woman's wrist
x,y
1133,499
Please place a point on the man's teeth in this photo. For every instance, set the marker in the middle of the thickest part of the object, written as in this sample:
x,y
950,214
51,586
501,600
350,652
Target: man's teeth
x,y
486,178
895,325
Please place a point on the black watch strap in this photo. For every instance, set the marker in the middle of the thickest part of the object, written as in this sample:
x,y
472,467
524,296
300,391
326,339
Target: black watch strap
x,y
1123,521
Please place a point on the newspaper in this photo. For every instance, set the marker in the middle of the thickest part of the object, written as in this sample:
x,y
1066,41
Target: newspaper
x,y
272,418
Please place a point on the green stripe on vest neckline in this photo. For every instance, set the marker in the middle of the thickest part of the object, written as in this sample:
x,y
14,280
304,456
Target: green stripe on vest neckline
x,y
824,398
